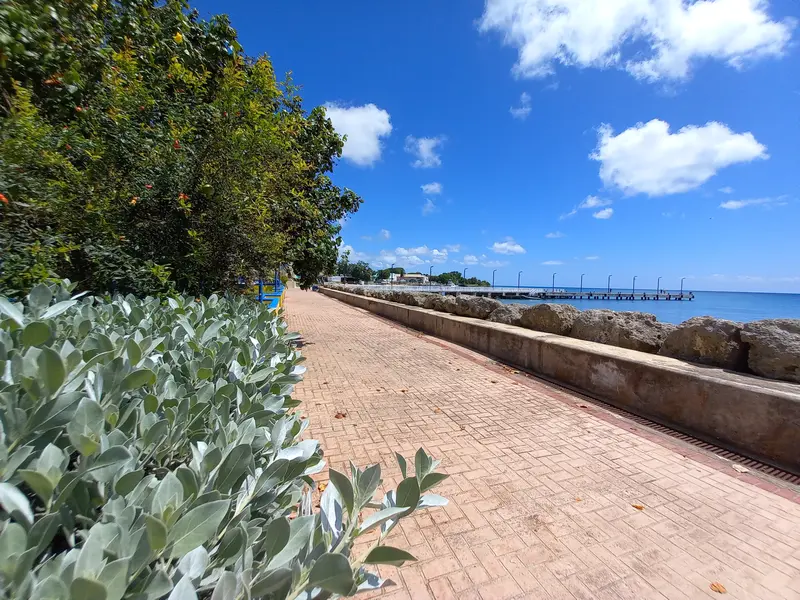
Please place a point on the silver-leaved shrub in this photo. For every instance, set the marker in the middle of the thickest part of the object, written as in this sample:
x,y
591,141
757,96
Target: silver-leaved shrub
x,y
150,449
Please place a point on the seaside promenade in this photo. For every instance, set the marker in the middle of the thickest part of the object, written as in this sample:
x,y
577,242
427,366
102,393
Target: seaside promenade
x,y
551,496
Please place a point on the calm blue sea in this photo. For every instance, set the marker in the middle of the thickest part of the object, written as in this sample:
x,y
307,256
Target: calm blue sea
x,y
736,306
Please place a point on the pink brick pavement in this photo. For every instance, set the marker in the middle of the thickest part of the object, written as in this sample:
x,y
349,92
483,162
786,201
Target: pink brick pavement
x,y
542,485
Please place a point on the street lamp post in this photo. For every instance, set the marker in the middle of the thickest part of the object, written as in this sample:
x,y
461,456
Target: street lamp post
x,y
554,282
658,286
464,276
430,277
391,279
518,279
493,272
609,284
682,278
633,291
582,274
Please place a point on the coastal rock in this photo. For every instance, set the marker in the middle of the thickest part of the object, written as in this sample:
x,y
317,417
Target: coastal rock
x,y
510,314
415,298
632,330
551,318
476,306
441,303
774,348
708,341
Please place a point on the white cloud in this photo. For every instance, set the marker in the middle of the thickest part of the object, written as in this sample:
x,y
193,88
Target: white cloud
x,y
364,127
590,202
765,202
366,238
508,246
592,258
429,207
648,159
470,259
432,188
409,251
553,262
413,260
651,39
494,264
554,235
384,234
606,213
425,150
522,111
438,256
453,247
726,190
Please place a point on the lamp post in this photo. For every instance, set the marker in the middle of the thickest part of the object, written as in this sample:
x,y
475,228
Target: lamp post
x,y
582,274
633,291
682,278
609,284
493,272
391,279
518,278
658,286
464,276
430,277
554,282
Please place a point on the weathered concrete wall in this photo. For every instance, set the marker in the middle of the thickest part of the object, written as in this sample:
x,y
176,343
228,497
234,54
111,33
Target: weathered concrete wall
x,y
757,417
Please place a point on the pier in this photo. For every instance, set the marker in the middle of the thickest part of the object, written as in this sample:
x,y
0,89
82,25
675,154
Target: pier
x,y
523,293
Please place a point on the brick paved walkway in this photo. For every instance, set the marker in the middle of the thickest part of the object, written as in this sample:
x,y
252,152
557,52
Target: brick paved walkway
x,y
542,489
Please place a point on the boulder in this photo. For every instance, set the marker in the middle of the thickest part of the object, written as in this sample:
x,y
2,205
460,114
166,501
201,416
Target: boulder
x,y
476,307
510,314
440,303
708,341
551,318
774,348
414,298
445,304
632,330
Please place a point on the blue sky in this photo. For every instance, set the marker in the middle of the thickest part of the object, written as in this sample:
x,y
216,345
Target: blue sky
x,y
625,137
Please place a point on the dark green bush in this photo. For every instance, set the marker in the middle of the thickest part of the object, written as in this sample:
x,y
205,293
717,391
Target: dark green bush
x,y
152,450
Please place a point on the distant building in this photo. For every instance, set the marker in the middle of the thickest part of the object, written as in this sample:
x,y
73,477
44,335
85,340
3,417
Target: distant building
x,y
413,279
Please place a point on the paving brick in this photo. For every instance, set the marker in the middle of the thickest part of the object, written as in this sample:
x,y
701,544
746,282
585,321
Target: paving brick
x,y
541,490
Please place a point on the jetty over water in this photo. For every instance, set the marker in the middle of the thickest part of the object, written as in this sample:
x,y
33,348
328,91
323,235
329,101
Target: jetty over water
x,y
523,293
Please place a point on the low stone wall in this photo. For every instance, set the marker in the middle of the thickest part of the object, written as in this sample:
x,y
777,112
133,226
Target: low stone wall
x,y
758,417
769,348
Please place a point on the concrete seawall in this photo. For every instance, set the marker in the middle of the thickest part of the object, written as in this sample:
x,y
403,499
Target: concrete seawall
x,y
757,417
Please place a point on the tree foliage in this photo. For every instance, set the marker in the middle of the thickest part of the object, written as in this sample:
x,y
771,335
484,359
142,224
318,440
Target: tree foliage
x,y
457,278
383,274
153,449
141,149
360,271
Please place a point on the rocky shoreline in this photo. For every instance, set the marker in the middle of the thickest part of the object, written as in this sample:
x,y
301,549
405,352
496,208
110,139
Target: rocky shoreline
x,y
769,348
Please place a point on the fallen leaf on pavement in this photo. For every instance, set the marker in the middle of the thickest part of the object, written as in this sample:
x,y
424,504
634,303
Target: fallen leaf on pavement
x,y
718,587
437,410
578,499
582,406
340,415
493,381
637,506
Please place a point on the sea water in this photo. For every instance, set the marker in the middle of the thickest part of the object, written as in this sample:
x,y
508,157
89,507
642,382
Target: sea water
x,y
736,306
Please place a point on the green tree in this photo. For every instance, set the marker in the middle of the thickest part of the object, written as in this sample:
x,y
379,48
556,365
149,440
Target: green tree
x,y
456,278
141,149
383,274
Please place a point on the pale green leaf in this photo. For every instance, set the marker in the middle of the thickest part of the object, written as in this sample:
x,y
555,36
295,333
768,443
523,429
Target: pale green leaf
x,y
386,555
333,573
196,527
